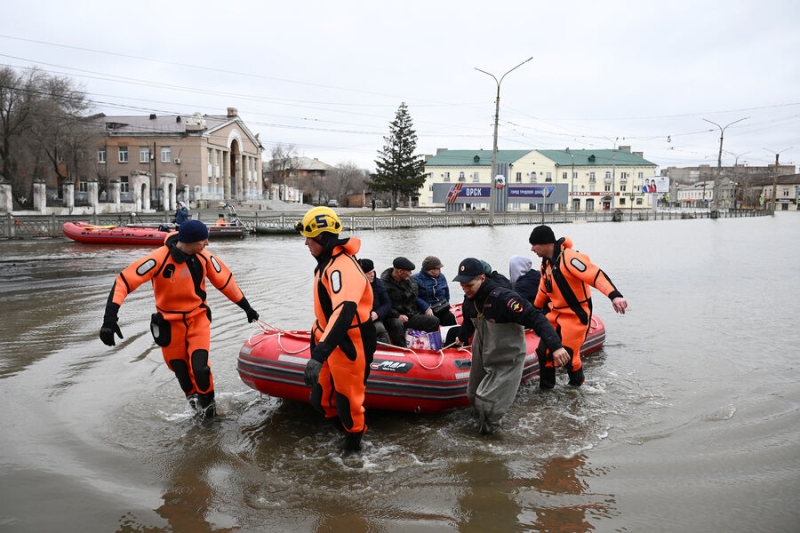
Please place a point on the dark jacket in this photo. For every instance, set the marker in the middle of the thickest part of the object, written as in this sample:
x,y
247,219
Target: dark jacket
x,y
381,303
528,285
501,305
402,294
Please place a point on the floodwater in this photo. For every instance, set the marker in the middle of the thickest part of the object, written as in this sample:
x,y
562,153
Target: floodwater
x,y
689,419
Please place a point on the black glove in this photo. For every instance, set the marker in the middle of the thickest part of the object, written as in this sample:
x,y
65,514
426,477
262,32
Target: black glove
x,y
107,333
252,315
311,375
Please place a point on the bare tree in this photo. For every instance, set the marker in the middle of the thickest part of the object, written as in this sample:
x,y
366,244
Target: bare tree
x,y
16,95
281,166
346,179
40,125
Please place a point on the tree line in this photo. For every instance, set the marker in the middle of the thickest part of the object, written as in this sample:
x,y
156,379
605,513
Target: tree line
x,y
43,130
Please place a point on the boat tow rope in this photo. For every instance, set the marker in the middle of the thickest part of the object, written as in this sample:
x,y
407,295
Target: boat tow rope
x,y
268,330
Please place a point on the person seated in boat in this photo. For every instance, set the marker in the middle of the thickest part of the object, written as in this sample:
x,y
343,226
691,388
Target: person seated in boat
x,y
181,214
434,291
404,294
343,338
499,346
221,221
182,324
381,304
524,279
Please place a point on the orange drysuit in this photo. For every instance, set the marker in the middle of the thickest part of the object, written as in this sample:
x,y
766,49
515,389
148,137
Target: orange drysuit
x,y
566,283
343,336
179,288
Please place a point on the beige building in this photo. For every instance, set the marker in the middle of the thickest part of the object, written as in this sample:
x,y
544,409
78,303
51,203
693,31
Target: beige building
x,y
211,157
594,180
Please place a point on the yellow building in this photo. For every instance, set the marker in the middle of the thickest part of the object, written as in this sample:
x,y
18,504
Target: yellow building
x,y
594,179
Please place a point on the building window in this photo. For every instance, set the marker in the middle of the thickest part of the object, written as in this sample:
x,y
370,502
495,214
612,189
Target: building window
x,y
533,177
123,154
461,176
592,177
210,165
83,186
144,154
476,177
519,177
123,184
166,154
101,155
548,178
446,176
563,175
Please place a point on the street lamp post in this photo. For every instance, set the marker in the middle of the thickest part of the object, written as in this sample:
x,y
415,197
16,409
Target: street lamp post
x,y
735,165
775,178
715,199
570,199
494,146
613,171
632,194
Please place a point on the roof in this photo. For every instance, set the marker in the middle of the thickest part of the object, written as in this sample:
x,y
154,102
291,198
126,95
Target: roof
x,y
307,163
467,158
154,125
594,158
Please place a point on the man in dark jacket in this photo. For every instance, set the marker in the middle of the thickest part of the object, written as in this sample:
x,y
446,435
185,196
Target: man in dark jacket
x,y
498,346
381,304
403,292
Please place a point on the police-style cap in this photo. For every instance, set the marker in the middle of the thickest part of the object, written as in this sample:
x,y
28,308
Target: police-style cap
x,y
469,269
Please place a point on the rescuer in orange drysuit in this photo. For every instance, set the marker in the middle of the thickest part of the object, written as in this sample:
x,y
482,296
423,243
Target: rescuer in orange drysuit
x,y
343,337
182,324
567,278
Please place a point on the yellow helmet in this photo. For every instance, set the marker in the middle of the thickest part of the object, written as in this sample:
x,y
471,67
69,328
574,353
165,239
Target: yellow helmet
x,y
317,220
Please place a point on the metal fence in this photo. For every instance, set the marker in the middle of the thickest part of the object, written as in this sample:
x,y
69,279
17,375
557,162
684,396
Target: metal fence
x,y
33,226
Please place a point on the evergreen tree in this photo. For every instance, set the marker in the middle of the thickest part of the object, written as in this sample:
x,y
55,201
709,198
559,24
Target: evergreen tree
x,y
399,171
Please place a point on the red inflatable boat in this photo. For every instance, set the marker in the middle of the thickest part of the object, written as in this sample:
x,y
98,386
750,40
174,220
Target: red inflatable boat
x,y
400,379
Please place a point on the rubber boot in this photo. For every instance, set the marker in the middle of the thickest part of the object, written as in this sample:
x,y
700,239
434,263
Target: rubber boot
x,y
352,441
576,378
206,405
194,402
547,377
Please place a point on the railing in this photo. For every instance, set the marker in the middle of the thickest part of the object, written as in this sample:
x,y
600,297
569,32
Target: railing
x,y
33,226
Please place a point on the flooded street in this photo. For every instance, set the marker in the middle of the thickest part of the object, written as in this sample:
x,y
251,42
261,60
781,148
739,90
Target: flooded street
x,y
689,419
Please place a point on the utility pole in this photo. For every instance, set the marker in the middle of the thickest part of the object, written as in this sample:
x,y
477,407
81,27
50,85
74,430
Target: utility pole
x,y
775,178
492,184
715,199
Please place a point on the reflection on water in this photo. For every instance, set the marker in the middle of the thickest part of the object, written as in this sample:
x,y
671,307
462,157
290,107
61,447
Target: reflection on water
x,y
688,419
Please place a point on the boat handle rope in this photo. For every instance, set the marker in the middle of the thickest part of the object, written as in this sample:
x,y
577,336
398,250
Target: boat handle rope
x,y
268,330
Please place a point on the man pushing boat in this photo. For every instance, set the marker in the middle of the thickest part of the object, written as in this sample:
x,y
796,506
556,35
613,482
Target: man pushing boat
x,y
343,337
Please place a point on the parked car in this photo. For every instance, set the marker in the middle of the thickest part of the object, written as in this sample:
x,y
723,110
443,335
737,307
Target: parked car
x,y
333,203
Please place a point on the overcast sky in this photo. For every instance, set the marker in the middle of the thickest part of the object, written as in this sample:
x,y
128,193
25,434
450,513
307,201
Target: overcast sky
x,y
328,76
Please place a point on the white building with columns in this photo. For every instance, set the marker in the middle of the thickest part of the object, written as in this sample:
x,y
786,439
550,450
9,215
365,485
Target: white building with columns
x,y
212,158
